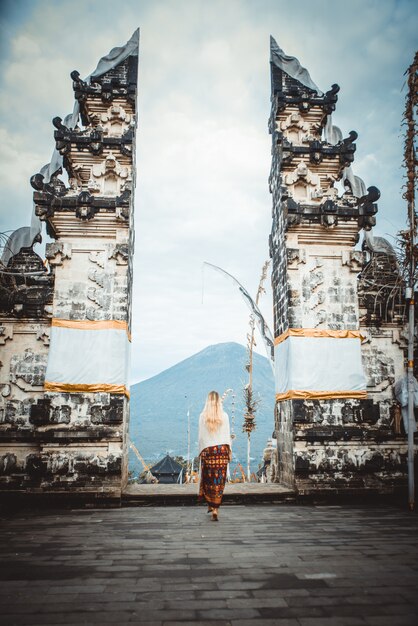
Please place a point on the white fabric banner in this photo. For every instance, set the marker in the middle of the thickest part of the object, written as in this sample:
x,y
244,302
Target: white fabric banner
x,y
78,357
319,367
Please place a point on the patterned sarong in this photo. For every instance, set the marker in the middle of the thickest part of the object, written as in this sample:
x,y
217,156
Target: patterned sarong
x,y
214,463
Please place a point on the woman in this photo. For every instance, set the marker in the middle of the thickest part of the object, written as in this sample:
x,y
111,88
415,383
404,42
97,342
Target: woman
x,y
214,451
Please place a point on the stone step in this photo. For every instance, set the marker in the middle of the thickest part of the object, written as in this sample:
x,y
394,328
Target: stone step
x,y
235,493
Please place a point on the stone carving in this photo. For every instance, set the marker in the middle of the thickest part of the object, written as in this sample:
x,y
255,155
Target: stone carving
x,y
109,176
296,129
27,371
57,252
8,464
98,257
295,256
120,252
43,335
6,332
115,121
302,182
6,391
379,368
355,259
79,176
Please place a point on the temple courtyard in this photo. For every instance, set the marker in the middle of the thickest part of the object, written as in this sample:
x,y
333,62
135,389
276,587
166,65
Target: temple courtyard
x,y
281,564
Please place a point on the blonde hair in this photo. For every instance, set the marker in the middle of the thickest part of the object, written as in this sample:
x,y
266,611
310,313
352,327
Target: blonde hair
x,y
213,411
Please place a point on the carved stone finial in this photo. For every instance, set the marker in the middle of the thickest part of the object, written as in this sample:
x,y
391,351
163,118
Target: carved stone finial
x,y
57,123
352,136
37,182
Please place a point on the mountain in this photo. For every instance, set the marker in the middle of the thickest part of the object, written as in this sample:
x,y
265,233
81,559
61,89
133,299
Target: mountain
x,y
160,404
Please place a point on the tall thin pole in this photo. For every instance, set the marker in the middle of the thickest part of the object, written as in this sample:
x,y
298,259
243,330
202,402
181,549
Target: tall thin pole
x,y
248,457
250,385
411,416
409,195
251,405
188,442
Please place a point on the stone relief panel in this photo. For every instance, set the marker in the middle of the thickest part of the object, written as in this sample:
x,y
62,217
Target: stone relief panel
x,y
48,467
99,412
383,355
107,178
14,413
22,371
297,129
6,333
57,252
321,294
27,370
348,459
302,184
96,285
379,367
115,122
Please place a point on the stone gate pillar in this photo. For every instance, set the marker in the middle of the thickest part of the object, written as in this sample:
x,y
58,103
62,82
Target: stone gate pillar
x,y
80,415
332,433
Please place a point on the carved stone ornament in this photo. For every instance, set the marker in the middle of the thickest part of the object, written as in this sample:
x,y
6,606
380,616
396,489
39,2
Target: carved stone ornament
x,y
355,259
120,252
295,256
43,335
115,121
296,129
27,370
6,332
302,182
85,209
57,252
109,176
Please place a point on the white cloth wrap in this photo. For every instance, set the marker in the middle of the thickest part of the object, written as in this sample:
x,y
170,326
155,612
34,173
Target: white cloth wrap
x,y
222,436
88,357
332,134
319,364
401,394
291,66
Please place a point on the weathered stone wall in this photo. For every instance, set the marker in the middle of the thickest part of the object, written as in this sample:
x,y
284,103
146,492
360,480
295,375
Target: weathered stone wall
x,y
24,354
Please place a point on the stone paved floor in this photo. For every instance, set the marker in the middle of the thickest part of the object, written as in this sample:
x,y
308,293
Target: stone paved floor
x,y
259,565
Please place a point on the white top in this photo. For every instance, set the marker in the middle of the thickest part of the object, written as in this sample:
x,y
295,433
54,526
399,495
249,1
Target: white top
x,y
222,436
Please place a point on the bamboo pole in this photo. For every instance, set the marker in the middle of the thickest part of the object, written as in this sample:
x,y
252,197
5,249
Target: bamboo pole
x,y
249,423
410,166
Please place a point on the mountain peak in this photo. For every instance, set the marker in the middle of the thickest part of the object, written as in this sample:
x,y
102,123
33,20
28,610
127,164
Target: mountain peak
x,y
161,404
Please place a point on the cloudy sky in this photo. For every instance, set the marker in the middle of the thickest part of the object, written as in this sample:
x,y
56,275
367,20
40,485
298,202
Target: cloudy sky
x,y
203,145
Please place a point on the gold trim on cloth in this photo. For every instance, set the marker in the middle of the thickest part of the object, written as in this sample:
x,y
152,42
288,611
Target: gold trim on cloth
x,y
298,394
89,388
91,324
318,332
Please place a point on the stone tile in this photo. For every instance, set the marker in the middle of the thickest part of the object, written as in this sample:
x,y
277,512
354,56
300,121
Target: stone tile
x,y
228,614
253,603
266,622
231,593
199,623
333,621
388,620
